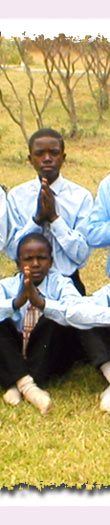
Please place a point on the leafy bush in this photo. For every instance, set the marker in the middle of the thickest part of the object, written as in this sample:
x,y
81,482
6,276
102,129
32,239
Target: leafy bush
x,y
8,52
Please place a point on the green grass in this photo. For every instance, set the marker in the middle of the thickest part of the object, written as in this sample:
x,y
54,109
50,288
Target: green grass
x,y
71,445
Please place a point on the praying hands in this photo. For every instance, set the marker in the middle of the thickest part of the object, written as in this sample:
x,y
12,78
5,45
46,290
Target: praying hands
x,y
46,204
29,292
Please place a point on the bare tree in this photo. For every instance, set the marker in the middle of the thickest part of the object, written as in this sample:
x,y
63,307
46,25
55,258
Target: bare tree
x,y
95,56
61,57
20,121
38,113
18,114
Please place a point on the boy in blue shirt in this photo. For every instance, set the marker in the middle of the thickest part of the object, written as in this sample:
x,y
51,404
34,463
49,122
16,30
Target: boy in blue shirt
x,y
39,284
52,205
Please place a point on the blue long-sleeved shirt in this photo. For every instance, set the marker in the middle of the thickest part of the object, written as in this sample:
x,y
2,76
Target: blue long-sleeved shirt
x,y
67,233
3,218
99,221
63,302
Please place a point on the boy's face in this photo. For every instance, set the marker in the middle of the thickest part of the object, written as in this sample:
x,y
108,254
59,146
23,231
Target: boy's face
x,y
47,157
35,255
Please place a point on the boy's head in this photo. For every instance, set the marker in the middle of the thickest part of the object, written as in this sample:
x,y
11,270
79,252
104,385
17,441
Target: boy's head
x,y
46,148
34,251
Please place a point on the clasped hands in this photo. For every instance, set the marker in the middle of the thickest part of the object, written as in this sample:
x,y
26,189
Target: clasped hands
x,y
47,204
29,292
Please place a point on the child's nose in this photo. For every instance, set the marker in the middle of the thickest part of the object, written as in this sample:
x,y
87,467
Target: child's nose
x,y
47,155
35,261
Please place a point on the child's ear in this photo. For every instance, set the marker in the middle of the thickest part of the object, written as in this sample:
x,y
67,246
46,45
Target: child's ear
x,y
17,263
51,261
29,158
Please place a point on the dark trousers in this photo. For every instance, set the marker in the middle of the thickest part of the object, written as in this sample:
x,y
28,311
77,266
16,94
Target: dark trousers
x,y
96,341
51,351
78,283
96,345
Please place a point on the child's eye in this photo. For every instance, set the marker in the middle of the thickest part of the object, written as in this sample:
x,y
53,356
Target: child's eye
x,y
55,152
28,259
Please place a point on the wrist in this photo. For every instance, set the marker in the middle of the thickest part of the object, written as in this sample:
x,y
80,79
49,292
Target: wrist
x,y
36,299
18,302
38,220
38,302
42,304
54,217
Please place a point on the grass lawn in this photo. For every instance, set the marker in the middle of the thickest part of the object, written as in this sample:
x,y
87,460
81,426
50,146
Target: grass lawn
x,y
71,445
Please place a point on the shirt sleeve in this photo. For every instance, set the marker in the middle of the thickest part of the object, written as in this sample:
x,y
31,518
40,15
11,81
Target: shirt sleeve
x,y
3,219
17,227
71,308
99,222
72,243
6,306
86,314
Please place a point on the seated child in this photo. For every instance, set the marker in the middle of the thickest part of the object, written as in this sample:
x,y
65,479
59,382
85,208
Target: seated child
x,y
53,345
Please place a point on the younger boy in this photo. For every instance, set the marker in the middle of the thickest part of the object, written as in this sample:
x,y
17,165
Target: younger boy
x,y
60,303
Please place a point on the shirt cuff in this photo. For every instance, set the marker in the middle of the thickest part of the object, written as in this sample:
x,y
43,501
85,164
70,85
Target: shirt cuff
x,y
13,305
39,228
58,227
8,309
49,306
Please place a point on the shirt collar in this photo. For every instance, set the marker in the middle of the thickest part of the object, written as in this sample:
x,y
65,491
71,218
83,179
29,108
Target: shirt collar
x,y
55,186
42,287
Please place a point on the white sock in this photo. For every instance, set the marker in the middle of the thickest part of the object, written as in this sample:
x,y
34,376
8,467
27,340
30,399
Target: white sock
x,y
105,400
12,396
34,394
105,369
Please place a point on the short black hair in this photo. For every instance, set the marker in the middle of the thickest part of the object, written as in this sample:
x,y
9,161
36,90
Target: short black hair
x,y
37,237
46,132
